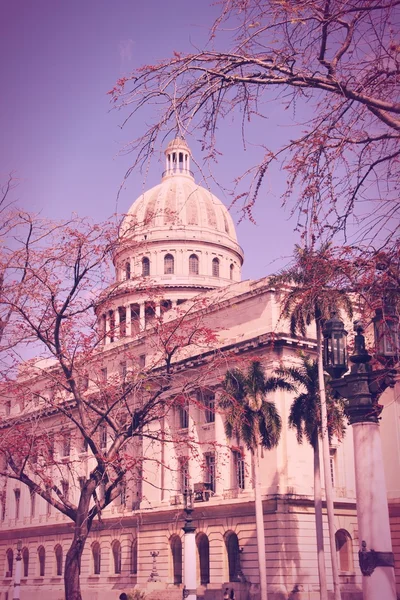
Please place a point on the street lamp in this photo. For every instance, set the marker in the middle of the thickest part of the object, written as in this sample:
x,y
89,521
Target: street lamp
x,y
361,389
17,577
189,555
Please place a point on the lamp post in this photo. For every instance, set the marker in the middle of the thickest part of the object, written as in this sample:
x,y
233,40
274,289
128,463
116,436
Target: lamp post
x,y
189,554
17,576
361,389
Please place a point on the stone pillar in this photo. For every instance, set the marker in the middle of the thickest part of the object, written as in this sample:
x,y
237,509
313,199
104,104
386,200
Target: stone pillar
x,y
142,321
107,327
128,321
189,558
117,332
158,309
17,577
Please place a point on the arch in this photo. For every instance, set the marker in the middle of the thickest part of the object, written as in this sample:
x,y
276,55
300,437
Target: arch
x,y
232,549
96,554
231,271
116,551
145,266
203,548
176,550
168,264
59,559
25,562
344,549
134,557
10,562
42,561
215,267
193,264
128,269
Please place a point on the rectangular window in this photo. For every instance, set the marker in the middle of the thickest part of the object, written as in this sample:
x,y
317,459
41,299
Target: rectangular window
x,y
66,446
33,504
184,414
210,471
122,497
8,408
65,489
103,375
239,468
208,400
183,474
17,494
142,361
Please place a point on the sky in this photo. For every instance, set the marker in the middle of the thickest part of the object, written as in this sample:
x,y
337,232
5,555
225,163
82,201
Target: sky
x,y
63,140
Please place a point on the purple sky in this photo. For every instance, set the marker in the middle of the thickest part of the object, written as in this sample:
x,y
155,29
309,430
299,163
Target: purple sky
x,y
58,60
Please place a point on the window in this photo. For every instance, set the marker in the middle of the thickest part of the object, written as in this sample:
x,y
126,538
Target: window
x,y
59,559
122,497
145,267
134,557
239,467
232,548
33,504
116,551
66,446
25,561
176,550
344,548
96,558
17,494
3,505
10,562
103,436
183,474
103,375
207,398
65,489
42,560
142,361
215,267
48,490
231,271
168,264
203,548
127,270
8,408
210,470
184,413
193,265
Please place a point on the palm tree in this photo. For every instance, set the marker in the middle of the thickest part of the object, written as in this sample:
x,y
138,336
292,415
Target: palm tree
x,y
253,420
305,418
316,287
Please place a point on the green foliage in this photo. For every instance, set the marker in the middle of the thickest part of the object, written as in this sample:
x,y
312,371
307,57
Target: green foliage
x,y
305,411
249,416
318,286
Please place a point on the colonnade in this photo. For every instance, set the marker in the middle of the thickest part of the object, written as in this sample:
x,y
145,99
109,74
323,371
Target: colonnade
x,y
128,320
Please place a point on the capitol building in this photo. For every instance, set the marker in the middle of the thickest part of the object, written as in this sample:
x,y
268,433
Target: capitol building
x,y
178,254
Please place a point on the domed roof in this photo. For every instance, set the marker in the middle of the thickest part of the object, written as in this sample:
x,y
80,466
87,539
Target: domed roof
x,y
179,205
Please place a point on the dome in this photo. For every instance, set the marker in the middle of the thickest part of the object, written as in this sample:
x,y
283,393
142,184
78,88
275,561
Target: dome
x,y
178,206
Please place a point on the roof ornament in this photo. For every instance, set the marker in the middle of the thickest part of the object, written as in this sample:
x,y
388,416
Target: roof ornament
x,y
177,159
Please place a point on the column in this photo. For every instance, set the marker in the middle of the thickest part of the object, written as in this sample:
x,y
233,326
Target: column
x,y
158,309
189,558
117,332
142,322
128,321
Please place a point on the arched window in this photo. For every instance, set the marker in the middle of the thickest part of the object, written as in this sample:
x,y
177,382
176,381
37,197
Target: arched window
x,y
134,557
127,270
344,548
203,548
25,561
42,560
232,548
176,550
145,266
215,267
231,271
96,558
10,562
193,264
59,559
168,264
116,550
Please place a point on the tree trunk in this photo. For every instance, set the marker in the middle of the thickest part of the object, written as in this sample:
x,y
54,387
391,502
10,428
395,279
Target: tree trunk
x,y
319,525
262,565
72,585
327,467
